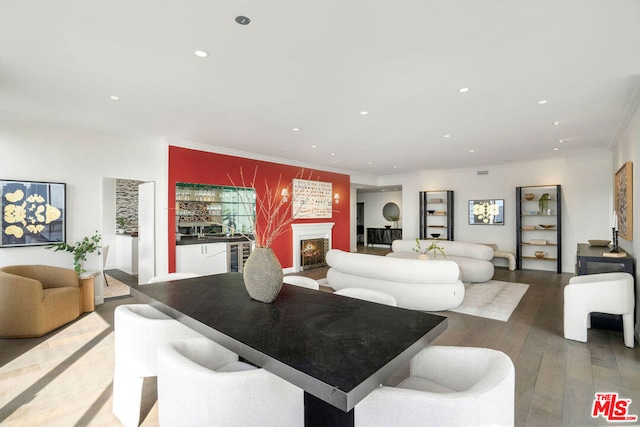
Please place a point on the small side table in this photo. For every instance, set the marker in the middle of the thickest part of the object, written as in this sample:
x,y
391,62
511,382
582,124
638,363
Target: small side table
x,y
87,291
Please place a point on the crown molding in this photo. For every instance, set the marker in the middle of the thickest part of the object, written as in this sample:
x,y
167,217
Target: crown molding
x,y
628,110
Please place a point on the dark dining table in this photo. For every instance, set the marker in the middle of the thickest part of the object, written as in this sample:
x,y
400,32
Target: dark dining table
x,y
337,349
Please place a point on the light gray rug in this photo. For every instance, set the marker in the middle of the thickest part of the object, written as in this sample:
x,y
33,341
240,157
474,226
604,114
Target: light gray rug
x,y
493,299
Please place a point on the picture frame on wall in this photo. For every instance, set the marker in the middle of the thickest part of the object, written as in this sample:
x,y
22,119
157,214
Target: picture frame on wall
x,y
486,212
33,213
624,200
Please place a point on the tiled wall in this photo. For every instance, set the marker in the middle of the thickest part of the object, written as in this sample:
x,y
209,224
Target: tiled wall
x,y
127,202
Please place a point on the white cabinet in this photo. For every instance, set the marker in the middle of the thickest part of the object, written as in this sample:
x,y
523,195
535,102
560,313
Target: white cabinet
x,y
127,253
203,259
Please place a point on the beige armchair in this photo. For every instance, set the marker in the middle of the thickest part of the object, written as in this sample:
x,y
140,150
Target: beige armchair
x,y
36,299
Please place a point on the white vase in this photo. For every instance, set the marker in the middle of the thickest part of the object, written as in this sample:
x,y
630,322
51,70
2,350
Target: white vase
x,y
423,256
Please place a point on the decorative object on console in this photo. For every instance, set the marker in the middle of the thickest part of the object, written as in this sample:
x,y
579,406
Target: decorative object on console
x,y
32,213
80,250
435,235
599,242
547,226
539,254
624,201
486,212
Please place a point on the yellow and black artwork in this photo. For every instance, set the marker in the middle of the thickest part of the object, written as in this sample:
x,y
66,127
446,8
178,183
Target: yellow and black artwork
x,y
32,213
488,212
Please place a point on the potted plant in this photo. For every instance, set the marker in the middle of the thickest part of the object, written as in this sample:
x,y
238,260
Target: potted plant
x,y
395,218
432,247
122,223
80,250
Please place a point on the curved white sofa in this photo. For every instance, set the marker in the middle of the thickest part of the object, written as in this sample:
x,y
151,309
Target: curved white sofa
x,y
415,284
474,259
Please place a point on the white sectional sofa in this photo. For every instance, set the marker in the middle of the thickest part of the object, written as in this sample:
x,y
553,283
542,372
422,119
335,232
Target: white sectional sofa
x,y
415,284
474,259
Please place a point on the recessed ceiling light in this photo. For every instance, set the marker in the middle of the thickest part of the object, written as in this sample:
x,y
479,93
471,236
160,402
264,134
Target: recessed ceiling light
x,y
114,97
556,149
201,53
561,140
464,90
556,123
242,20
447,136
370,163
364,113
542,101
395,166
314,146
333,154
296,129
472,151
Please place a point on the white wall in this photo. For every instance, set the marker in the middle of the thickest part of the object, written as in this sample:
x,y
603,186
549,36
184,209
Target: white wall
x,y
587,199
33,153
628,150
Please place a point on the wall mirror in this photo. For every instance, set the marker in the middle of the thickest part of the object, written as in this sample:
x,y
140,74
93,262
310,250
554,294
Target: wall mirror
x,y
391,212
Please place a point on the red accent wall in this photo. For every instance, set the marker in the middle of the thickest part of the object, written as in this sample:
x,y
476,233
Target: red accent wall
x,y
201,167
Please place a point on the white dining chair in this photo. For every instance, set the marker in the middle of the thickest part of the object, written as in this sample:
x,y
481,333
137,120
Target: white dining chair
x,y
447,386
172,276
140,330
368,295
201,383
302,281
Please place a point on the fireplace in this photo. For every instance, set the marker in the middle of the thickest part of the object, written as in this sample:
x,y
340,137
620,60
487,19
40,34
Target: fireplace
x,y
313,252
310,231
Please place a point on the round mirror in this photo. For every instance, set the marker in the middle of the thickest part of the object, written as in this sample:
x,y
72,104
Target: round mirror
x,y
391,212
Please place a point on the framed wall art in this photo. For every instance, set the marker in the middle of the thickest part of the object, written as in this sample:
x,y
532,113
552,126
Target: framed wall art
x,y
312,199
486,212
33,213
624,200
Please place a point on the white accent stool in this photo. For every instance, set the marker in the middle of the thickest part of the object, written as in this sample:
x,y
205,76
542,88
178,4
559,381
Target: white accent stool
x,y
200,383
172,276
447,386
302,281
140,330
610,293
368,295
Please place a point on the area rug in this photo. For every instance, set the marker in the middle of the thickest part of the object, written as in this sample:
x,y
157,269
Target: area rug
x,y
493,299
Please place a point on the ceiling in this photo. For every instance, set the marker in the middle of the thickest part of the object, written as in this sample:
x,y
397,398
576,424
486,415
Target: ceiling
x,y
315,66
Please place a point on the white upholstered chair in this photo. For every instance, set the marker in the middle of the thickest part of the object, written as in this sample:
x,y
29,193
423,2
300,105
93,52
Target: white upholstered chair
x,y
140,330
447,386
200,383
610,293
302,281
172,276
368,295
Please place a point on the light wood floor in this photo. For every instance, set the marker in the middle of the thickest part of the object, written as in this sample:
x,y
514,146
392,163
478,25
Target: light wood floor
x,y
64,379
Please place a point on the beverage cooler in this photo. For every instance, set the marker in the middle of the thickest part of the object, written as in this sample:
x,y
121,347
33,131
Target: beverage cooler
x,y
237,254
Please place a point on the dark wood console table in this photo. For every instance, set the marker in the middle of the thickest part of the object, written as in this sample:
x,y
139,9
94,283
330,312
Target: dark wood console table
x,y
383,236
590,260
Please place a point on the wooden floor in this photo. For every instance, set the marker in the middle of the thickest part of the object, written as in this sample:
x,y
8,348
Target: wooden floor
x,y
64,379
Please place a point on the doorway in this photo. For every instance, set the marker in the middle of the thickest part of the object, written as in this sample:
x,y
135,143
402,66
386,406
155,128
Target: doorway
x,y
360,223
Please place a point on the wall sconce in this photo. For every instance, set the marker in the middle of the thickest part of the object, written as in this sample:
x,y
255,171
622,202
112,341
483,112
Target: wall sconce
x,y
285,195
336,198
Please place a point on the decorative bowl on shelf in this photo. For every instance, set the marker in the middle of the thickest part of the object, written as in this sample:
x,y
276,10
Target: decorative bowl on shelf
x,y
539,254
599,242
431,211
387,227
435,235
547,226
529,196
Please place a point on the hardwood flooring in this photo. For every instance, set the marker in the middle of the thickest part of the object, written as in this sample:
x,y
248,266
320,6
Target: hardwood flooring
x,y
64,378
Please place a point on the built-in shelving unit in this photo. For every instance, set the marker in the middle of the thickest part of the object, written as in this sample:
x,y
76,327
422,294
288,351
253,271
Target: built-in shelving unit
x,y
436,215
539,227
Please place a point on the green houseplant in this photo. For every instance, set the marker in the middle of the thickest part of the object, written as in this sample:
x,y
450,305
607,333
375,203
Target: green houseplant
x,y
80,250
432,247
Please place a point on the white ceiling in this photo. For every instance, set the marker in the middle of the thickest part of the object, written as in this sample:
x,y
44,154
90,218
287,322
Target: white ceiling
x,y
315,65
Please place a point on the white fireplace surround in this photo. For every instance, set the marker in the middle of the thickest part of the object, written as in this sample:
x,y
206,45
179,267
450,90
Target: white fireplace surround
x,y
318,230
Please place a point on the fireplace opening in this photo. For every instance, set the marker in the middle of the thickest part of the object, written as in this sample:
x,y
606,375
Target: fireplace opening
x,y
313,253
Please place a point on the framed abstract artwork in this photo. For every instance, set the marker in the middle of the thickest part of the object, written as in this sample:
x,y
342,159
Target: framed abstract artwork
x,y
312,199
486,212
33,213
624,200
